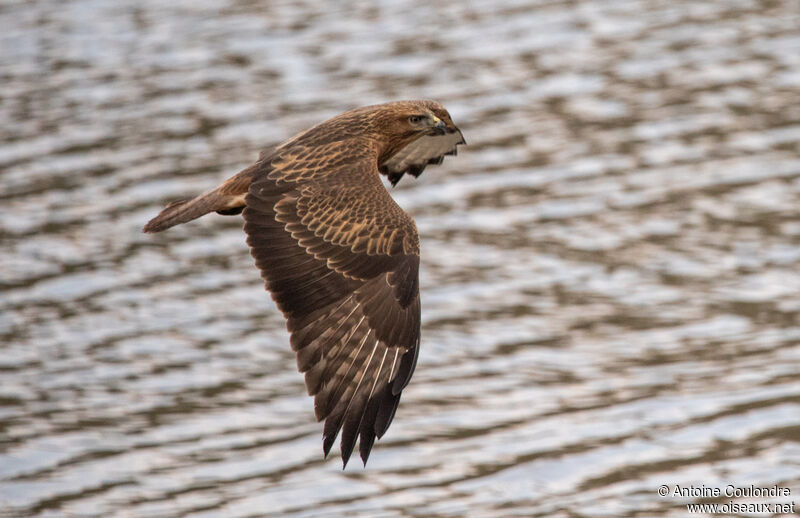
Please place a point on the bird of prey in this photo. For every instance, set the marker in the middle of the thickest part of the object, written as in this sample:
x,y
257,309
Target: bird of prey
x,y
339,256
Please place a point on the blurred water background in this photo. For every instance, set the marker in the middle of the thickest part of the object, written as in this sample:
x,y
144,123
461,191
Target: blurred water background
x,y
609,272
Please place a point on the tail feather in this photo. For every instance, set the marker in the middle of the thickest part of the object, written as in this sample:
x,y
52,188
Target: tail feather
x,y
226,199
186,210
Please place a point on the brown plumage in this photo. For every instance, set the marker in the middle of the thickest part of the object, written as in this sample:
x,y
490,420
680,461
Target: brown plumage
x,y
339,256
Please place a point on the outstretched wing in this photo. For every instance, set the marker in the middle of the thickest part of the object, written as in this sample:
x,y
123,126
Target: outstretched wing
x,y
341,260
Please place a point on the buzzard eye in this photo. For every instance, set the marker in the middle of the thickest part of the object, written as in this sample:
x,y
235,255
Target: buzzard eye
x,y
416,119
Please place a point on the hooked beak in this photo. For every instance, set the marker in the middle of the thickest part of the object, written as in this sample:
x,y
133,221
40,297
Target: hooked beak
x,y
439,127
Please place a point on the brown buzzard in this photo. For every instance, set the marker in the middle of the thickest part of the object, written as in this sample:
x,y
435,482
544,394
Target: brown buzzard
x,y
339,256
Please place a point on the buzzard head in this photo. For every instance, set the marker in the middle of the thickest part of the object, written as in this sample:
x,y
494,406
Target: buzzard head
x,y
418,133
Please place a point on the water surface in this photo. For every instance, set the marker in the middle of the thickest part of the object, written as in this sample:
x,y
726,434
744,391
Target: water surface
x,y
610,270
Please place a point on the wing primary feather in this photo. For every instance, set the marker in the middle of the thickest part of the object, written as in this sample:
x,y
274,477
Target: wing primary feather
x,y
345,319
365,426
338,349
333,423
315,376
407,365
348,434
394,361
386,411
334,395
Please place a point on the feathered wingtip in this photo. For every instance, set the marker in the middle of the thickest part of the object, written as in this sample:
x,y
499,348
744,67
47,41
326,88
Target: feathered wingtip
x,y
378,416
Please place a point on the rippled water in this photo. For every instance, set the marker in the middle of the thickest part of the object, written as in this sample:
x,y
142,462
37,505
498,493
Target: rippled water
x,y
610,270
